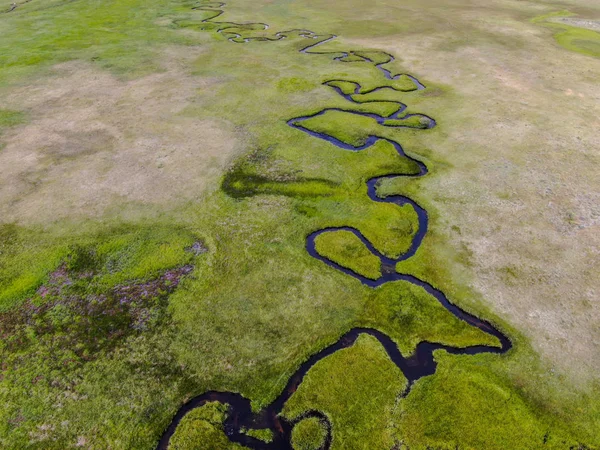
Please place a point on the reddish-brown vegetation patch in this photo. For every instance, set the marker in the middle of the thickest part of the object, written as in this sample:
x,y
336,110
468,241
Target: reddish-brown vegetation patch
x,y
72,311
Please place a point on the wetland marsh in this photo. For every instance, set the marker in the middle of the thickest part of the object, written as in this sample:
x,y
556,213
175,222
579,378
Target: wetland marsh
x,y
217,234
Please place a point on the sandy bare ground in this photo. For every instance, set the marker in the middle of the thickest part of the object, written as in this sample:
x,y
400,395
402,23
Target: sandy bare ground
x,y
95,144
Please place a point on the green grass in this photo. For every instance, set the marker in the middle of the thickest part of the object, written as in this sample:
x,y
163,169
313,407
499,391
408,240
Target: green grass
x,y
572,38
409,315
10,118
351,129
414,121
372,90
117,255
340,201
346,249
202,429
357,388
264,434
354,129
24,264
113,34
445,411
88,330
308,434
295,84
381,95
257,305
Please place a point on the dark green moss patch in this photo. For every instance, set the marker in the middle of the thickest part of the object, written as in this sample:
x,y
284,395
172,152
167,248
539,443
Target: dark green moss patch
x,y
240,185
243,179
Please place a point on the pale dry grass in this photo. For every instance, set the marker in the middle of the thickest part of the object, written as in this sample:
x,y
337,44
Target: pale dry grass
x,y
96,144
521,133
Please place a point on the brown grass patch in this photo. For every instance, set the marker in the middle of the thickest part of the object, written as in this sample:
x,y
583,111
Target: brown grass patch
x,y
96,144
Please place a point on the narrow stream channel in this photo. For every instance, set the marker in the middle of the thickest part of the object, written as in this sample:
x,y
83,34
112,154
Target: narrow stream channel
x,y
421,363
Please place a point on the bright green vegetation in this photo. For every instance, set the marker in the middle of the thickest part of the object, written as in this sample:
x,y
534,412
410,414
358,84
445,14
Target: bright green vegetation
x,y
380,95
25,264
342,202
113,257
346,249
202,429
112,34
354,129
358,389
405,313
351,129
346,87
81,368
308,434
571,37
87,325
385,91
427,420
401,84
294,84
330,303
264,434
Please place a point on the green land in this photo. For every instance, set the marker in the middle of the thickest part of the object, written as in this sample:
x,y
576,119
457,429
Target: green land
x,y
154,207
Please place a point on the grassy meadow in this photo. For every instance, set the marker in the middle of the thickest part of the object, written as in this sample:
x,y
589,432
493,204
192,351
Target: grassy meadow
x,y
154,206
576,35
